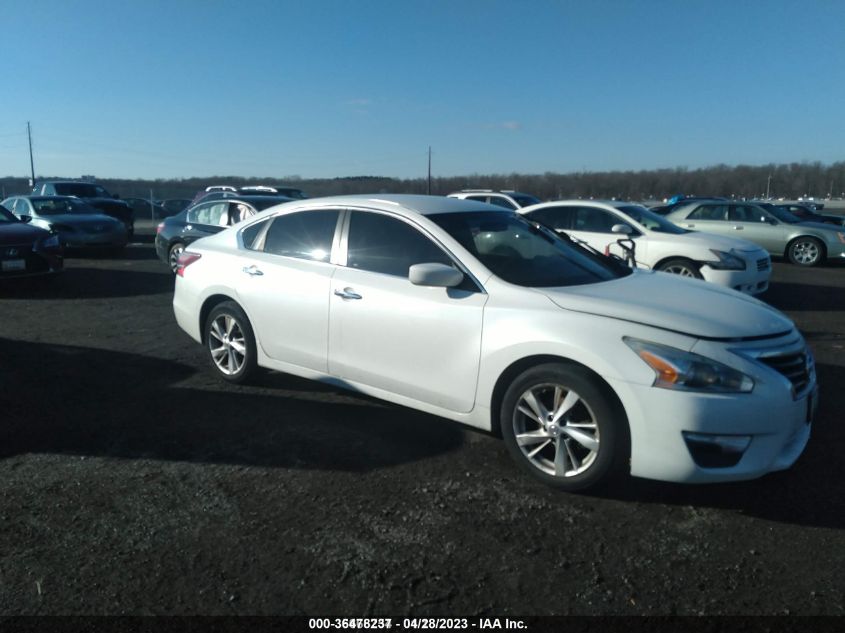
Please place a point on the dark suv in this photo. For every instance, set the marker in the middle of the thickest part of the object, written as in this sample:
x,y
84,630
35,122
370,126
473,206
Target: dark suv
x,y
94,195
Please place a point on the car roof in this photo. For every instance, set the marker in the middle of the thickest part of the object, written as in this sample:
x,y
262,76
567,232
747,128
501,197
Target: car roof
x,y
419,204
615,204
52,198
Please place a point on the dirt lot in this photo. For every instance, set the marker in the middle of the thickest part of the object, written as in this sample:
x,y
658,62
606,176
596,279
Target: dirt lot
x,y
133,482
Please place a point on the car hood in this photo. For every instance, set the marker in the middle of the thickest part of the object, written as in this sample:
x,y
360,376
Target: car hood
x,y
819,225
19,233
688,306
718,242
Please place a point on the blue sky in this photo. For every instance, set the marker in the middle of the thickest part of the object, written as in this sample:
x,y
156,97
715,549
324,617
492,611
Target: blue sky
x,y
318,88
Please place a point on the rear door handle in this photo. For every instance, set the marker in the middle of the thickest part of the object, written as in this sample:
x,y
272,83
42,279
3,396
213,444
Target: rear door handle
x,y
347,293
737,228
252,271
689,226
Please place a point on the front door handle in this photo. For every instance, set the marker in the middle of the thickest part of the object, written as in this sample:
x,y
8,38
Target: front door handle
x,y
347,293
737,228
252,271
689,226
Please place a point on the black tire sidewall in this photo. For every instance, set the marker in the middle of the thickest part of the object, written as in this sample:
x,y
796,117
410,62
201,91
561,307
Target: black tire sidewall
x,y
232,309
611,424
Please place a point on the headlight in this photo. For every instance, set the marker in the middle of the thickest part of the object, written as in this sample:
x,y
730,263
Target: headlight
x,y
726,261
841,236
677,369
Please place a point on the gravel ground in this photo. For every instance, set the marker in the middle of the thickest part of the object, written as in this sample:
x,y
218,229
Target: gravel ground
x,y
132,481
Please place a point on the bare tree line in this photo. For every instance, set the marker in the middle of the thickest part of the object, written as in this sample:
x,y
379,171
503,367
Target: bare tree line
x,y
789,181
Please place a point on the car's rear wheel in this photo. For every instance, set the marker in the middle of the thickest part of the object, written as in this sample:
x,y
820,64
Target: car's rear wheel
x,y
230,343
562,426
173,255
681,267
805,251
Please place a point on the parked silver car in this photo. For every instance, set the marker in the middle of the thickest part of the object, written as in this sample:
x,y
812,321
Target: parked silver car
x,y
77,224
776,230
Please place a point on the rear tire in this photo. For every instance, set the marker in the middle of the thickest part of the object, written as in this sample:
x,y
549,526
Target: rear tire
x,y
681,267
173,255
561,425
230,343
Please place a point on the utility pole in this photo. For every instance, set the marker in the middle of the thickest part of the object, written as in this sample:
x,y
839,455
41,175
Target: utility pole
x,y
31,163
768,186
429,170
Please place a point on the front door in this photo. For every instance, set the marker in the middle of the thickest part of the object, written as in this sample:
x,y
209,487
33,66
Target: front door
x,y
385,332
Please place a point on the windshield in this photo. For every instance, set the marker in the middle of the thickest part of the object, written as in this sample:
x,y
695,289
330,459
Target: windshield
x,y
81,190
524,253
651,220
524,200
60,206
783,215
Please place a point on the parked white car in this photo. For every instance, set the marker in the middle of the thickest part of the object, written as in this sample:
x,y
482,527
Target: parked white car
x,y
660,244
474,313
506,198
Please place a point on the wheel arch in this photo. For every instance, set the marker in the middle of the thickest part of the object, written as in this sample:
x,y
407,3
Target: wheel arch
x,y
208,305
523,364
659,264
807,236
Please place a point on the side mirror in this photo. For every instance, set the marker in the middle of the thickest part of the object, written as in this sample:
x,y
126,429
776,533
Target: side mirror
x,y
624,229
771,221
436,275
25,218
116,196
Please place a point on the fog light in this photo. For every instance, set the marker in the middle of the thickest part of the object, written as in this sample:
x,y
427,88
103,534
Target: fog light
x,y
716,451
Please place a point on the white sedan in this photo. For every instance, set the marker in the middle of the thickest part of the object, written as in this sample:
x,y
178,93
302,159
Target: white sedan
x,y
586,367
660,244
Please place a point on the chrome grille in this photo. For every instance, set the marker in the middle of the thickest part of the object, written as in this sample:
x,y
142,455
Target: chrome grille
x,y
794,366
763,264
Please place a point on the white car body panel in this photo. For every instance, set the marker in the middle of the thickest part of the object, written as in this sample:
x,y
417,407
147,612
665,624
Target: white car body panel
x,y
444,351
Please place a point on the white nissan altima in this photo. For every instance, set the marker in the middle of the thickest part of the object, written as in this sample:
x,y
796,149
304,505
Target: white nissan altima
x,y
474,313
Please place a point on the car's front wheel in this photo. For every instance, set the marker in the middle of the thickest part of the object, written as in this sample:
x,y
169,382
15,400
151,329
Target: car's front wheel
x,y
682,267
806,251
230,342
562,426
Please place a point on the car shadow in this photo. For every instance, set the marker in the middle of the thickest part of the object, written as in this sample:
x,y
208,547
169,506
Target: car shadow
x,y
812,492
89,283
92,402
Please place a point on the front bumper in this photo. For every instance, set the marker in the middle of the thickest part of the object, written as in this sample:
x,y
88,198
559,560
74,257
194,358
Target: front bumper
x,y
752,281
770,426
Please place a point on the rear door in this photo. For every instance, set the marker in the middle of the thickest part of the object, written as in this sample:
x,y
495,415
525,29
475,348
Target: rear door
x,y
205,219
286,271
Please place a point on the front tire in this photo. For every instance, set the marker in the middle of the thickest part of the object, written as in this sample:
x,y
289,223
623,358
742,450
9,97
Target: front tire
x,y
681,267
805,251
230,343
561,425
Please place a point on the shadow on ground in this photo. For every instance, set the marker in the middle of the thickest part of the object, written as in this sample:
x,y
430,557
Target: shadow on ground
x,y
82,401
89,283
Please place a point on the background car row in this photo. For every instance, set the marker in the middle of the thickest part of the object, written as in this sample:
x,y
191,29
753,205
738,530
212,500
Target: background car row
x,y
26,250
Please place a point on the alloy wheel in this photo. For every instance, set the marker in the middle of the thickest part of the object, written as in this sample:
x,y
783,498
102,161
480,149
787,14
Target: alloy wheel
x,y
556,430
227,344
